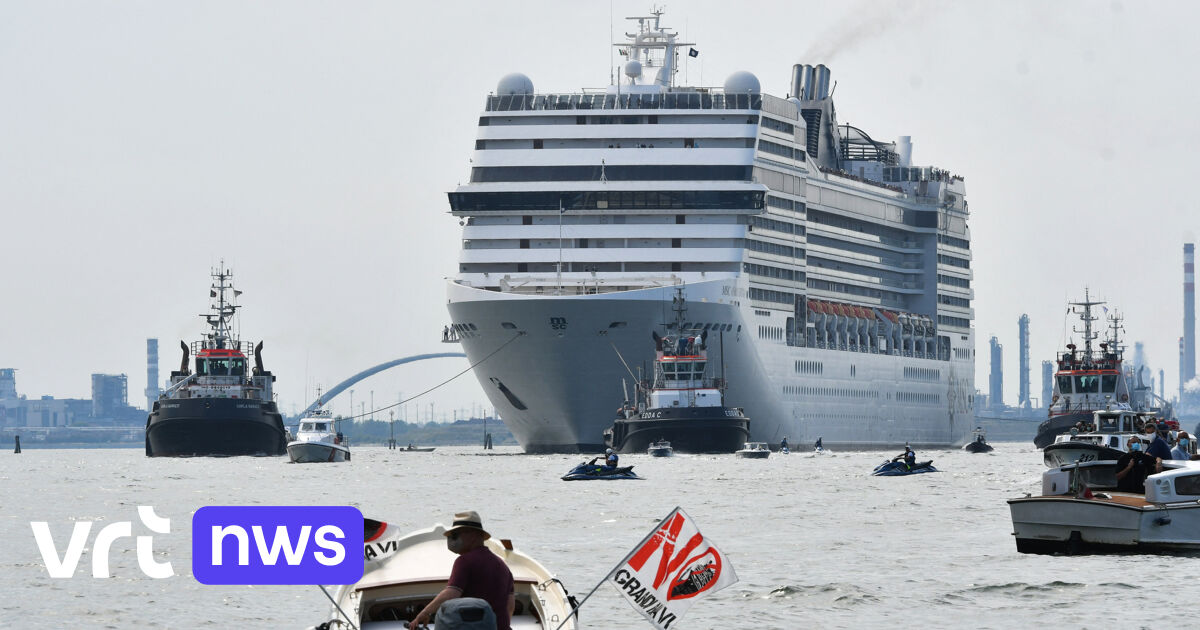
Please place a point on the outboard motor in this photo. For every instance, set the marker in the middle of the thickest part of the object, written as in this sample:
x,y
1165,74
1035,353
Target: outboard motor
x,y
465,613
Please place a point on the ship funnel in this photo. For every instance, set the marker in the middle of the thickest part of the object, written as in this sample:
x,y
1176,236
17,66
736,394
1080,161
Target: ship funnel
x,y
797,81
821,82
183,367
904,149
807,88
258,364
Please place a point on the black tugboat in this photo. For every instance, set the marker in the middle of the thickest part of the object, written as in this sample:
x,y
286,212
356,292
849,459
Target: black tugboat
x,y
682,404
218,409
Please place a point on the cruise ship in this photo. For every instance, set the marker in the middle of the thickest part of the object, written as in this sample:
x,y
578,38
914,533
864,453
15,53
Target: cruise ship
x,y
832,273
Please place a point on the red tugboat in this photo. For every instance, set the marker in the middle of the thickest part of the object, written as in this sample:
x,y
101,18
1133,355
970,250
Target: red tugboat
x,y
1086,380
219,408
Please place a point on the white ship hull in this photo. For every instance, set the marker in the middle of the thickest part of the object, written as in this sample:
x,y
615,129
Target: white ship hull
x,y
555,377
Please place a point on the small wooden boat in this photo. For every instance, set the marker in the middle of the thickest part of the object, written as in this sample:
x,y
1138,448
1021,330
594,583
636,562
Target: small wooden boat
x,y
1077,513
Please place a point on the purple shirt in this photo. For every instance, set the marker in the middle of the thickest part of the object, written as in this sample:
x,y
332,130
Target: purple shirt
x,y
481,573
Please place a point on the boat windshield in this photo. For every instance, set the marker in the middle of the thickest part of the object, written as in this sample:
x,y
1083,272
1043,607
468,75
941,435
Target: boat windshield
x,y
1108,383
1064,384
221,367
1087,384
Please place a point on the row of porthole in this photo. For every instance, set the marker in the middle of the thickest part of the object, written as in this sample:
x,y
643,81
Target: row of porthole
x,y
512,326
922,374
829,391
710,326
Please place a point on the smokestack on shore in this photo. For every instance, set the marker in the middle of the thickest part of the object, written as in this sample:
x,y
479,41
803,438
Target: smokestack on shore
x,y
1187,354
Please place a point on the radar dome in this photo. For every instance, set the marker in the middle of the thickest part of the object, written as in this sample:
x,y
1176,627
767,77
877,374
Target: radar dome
x,y
741,82
515,83
633,68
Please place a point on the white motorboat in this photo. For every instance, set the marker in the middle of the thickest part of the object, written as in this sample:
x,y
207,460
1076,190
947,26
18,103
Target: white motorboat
x,y
404,572
754,450
1072,516
317,440
661,448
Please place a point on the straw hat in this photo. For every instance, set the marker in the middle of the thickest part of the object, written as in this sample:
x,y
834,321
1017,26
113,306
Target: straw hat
x,y
468,520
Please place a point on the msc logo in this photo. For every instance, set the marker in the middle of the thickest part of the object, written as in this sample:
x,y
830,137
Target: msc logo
x,y
65,567
277,545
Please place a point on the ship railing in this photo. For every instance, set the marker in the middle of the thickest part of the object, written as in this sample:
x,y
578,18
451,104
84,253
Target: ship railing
x,y
177,385
245,347
551,285
709,99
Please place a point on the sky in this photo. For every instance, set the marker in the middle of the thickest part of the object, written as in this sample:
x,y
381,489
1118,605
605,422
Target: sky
x,y
310,146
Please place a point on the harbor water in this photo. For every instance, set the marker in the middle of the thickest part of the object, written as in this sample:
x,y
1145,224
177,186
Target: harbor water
x,y
815,540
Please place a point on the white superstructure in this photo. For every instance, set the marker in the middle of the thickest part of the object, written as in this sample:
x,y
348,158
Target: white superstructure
x,y
832,274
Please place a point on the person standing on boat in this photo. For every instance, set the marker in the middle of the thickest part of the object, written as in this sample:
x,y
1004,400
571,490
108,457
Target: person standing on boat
x,y
1182,450
477,572
1134,466
783,445
1159,446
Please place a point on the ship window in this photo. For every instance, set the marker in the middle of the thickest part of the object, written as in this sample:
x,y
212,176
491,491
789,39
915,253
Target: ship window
x,y
1087,384
238,367
307,426
1064,384
699,369
683,367
508,325
321,426
1108,383
1188,485
201,367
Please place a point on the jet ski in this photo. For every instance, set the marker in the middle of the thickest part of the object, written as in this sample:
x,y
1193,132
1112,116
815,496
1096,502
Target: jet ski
x,y
586,471
890,468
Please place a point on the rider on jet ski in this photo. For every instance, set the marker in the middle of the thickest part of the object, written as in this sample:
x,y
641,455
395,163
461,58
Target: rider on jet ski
x,y
610,459
909,457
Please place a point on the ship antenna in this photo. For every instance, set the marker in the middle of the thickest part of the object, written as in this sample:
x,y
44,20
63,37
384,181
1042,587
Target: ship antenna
x,y
1086,316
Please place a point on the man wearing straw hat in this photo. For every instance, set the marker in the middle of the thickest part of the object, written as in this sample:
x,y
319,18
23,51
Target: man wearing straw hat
x,y
477,572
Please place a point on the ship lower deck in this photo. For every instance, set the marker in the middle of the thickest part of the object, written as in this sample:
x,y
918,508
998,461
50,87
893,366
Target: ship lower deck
x,y
554,369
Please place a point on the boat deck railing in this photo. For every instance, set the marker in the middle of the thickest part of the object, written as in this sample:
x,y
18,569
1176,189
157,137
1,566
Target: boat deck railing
x,y
711,99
